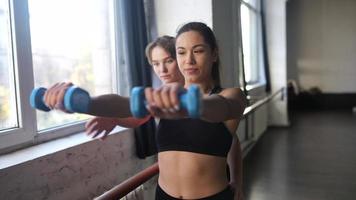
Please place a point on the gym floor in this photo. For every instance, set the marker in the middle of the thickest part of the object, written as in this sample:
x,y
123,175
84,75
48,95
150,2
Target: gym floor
x,y
314,159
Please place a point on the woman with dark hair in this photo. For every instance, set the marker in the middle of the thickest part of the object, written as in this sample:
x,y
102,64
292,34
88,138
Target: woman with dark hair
x,y
193,152
161,54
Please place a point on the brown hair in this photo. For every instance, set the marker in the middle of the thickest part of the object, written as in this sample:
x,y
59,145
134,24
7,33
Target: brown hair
x,y
166,42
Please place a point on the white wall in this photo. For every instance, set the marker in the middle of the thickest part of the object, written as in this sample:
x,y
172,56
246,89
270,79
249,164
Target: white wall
x,y
277,56
174,13
322,44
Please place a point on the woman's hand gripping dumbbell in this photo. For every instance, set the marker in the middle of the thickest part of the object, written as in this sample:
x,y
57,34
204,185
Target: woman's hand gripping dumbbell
x,y
75,100
189,100
78,100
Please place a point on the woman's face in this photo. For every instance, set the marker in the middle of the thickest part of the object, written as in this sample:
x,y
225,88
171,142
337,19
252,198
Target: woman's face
x,y
195,57
165,66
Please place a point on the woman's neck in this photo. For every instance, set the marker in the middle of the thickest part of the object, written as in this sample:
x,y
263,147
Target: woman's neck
x,y
205,87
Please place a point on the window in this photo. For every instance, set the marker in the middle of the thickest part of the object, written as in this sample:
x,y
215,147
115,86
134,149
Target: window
x,y
71,43
43,42
8,110
252,41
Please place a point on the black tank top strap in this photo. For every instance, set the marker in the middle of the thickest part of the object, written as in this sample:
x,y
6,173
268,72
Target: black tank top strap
x,y
216,89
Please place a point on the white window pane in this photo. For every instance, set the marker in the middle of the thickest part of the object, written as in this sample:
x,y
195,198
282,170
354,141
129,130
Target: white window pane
x,y
246,42
72,40
250,44
8,111
261,77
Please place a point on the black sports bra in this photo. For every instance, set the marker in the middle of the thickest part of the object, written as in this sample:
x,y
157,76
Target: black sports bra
x,y
194,135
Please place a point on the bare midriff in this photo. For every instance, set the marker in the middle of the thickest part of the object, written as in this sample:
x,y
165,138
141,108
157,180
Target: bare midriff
x,y
187,175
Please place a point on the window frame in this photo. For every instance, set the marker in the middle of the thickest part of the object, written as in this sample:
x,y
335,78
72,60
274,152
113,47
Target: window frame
x,y
23,77
258,77
26,134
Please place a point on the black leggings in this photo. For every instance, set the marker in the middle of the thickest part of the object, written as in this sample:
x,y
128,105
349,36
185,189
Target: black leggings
x,y
226,194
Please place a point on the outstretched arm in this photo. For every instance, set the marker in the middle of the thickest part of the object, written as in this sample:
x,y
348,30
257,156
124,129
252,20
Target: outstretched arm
x,y
228,104
103,125
110,105
131,122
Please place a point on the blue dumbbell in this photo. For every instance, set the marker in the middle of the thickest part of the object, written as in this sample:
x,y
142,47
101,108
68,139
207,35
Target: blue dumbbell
x,y
75,100
36,99
189,100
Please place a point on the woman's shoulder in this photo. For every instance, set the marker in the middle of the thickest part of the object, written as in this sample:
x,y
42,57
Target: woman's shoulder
x,y
236,91
235,94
